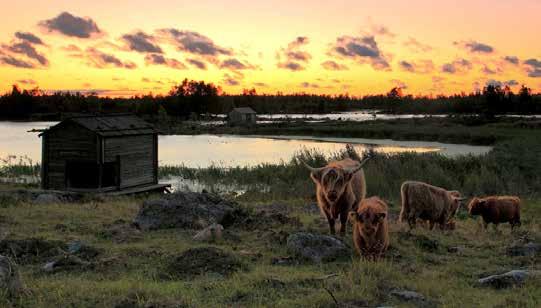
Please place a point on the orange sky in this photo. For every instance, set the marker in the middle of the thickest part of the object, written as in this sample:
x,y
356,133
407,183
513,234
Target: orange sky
x,y
360,47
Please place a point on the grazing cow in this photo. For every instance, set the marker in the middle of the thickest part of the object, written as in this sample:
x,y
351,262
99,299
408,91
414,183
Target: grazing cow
x,y
430,203
497,209
339,187
370,228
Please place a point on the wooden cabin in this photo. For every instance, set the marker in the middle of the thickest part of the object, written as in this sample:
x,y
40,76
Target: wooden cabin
x,y
242,116
100,154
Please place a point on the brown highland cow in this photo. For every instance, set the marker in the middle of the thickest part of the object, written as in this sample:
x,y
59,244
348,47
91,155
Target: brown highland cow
x,y
497,209
370,228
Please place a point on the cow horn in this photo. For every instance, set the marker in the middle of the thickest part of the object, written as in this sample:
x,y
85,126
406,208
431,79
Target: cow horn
x,y
360,166
312,169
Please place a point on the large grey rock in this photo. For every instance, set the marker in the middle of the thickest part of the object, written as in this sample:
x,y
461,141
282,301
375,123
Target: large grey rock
x,y
10,281
529,249
47,199
406,295
317,248
187,210
509,279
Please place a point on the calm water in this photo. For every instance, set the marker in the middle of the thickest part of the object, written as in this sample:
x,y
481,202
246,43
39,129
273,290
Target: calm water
x,y
227,150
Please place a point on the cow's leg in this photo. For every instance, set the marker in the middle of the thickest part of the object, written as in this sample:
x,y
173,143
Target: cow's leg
x,y
331,222
430,225
485,224
343,223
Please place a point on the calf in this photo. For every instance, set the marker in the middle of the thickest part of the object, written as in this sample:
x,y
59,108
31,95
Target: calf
x,y
370,228
497,209
339,187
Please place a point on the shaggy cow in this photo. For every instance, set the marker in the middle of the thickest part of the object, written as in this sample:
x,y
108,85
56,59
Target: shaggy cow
x,y
497,209
370,228
430,203
339,187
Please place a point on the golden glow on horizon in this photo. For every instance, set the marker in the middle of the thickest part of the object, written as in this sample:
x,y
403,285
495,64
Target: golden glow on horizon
x,y
256,32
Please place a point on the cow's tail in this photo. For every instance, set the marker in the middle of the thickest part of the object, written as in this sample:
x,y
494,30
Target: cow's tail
x,y
404,197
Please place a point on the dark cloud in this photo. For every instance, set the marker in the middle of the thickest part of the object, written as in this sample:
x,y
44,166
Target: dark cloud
x,y
235,64
512,83
475,47
27,81
29,37
197,63
193,42
25,48
148,80
363,49
309,85
420,67
334,66
511,59
457,66
417,46
230,81
158,59
292,57
100,59
141,42
533,68
12,61
70,25
490,71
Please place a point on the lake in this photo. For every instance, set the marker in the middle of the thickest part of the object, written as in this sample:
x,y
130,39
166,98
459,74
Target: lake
x,y
229,150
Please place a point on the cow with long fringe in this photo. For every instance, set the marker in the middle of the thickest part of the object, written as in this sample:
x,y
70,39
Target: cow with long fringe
x,y
429,203
340,186
370,228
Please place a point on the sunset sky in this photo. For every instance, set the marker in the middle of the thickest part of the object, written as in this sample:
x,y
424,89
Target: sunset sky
x,y
358,47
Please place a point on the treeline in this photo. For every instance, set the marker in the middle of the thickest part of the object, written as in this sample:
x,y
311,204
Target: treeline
x,y
192,98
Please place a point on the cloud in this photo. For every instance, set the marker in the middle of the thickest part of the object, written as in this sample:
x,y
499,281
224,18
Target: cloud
x,y
421,67
141,42
457,66
100,59
309,85
230,81
71,48
27,81
193,42
399,84
25,48
29,37
511,59
362,49
157,59
12,61
490,71
512,83
475,47
199,64
73,26
261,84
334,66
416,46
148,80
533,68
235,64
382,31
292,57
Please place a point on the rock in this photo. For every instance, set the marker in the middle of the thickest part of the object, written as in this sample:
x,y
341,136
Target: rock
x,y
66,263
284,261
317,248
121,231
509,279
529,249
210,233
203,260
406,295
47,199
10,281
186,210
456,249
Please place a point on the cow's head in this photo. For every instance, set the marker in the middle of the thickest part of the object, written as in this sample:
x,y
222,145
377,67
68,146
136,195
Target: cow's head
x,y
368,221
456,202
476,206
333,180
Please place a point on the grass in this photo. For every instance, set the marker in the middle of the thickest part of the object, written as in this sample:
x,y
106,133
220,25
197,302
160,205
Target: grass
x,y
445,278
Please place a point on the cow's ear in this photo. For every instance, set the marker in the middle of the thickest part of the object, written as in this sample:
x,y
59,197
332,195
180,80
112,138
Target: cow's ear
x,y
381,216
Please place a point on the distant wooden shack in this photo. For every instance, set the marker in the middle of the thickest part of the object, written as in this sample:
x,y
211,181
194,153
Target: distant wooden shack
x,y
242,116
100,154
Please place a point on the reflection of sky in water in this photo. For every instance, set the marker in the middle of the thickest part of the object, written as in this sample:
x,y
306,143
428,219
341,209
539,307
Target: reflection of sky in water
x,y
203,150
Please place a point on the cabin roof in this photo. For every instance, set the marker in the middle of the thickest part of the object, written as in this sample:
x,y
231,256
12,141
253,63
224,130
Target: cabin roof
x,y
244,110
110,125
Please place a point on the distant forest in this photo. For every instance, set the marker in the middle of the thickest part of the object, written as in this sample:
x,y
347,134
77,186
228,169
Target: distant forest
x,y
192,98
